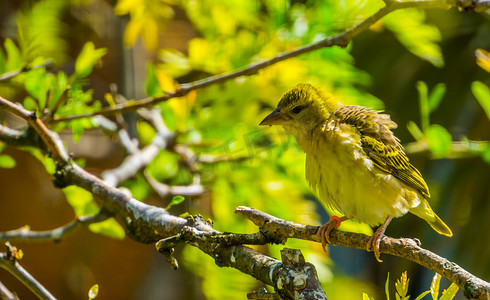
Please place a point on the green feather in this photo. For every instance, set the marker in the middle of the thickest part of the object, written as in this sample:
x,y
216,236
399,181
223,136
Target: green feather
x,y
381,145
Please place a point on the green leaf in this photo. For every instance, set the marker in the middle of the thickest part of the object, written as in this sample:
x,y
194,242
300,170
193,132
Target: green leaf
x,y
6,161
175,200
93,292
482,94
434,286
387,286
415,130
424,104
419,297
13,56
47,161
110,228
419,38
146,133
39,31
366,297
152,86
439,140
30,103
87,59
436,96
450,293
486,154
38,83
82,201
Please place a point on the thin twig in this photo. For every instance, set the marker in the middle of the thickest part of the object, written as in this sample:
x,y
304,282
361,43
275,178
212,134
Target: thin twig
x,y
138,160
46,64
25,234
8,261
165,191
341,39
5,294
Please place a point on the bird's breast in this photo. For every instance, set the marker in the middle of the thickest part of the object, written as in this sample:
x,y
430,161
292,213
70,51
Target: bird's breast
x,y
347,180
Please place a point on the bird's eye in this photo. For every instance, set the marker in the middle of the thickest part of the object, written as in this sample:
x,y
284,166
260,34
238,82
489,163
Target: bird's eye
x,y
297,109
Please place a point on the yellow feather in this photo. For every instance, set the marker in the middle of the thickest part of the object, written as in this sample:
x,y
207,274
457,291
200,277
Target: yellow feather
x,y
353,161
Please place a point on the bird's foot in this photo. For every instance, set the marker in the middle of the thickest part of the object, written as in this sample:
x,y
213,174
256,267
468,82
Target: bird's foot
x,y
373,244
323,232
376,238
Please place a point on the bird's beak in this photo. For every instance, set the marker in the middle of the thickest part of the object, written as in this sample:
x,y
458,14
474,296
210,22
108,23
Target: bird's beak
x,y
275,118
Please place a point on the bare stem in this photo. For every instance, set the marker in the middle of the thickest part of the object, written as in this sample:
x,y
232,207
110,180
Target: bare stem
x,y
8,261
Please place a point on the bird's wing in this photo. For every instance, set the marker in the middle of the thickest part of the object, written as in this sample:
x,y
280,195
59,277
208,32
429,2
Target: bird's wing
x,y
382,146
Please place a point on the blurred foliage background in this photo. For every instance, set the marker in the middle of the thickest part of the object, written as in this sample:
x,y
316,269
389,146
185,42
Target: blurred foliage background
x,y
429,69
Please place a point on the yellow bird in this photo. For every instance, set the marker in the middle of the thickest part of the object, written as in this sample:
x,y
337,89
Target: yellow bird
x,y
354,162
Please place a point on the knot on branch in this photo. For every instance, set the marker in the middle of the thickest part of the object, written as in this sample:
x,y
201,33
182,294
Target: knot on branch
x,y
297,279
12,253
473,5
60,180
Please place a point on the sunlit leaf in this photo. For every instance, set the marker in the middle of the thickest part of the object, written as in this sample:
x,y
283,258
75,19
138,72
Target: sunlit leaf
x,y
401,286
366,297
138,186
434,286
30,103
81,200
450,293
146,133
486,154
13,56
436,95
110,228
424,104
47,161
439,140
420,38
132,32
482,94
93,292
483,59
87,59
152,86
150,34
421,296
176,64
175,201
387,287
6,161
415,130
39,31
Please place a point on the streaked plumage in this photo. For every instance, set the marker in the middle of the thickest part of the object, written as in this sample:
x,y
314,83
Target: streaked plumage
x,y
353,161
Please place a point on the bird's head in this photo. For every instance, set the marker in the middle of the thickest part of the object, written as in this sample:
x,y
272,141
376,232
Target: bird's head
x,y
301,109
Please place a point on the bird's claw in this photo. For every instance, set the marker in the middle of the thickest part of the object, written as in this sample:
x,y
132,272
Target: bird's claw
x,y
373,243
323,233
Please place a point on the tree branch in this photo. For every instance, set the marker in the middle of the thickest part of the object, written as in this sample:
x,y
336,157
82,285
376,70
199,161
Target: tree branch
x,y
472,286
46,64
5,294
24,234
149,224
341,39
8,261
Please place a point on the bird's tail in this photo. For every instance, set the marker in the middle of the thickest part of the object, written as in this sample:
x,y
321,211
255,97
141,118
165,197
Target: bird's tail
x,y
425,212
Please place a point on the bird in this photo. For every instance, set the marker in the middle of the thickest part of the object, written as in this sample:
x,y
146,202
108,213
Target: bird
x,y
354,162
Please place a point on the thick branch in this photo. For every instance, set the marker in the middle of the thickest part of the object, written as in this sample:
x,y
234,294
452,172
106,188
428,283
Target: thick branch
x,y
473,287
